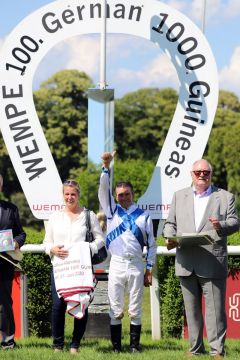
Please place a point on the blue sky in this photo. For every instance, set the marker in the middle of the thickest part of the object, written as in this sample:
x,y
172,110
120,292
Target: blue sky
x,y
152,68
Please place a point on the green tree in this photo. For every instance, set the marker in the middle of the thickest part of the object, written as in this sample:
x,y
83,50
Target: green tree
x,y
62,105
223,145
88,179
138,172
142,119
215,157
231,153
10,180
25,214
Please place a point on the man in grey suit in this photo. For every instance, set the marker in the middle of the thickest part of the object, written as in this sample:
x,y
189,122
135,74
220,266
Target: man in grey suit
x,y
202,269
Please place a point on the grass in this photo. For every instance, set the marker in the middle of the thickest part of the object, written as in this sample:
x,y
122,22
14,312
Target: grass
x,y
99,349
32,348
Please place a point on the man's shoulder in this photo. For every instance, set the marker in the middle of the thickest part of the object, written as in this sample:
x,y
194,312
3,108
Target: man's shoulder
x,y
221,191
7,205
184,191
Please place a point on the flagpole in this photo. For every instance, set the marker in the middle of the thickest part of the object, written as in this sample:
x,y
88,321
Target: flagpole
x,y
102,83
204,15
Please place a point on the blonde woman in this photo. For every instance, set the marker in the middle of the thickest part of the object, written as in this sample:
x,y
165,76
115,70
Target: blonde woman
x,y
66,227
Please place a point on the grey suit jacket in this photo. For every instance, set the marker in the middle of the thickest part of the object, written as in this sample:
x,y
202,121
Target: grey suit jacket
x,y
209,261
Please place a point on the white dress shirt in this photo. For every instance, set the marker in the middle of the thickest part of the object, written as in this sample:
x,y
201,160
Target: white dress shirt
x,y
200,204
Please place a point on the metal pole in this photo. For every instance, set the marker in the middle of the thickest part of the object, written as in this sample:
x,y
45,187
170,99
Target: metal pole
x,y
102,83
204,15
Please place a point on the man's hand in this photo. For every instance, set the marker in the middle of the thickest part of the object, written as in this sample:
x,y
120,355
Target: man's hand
x,y
147,278
107,158
215,223
16,245
171,244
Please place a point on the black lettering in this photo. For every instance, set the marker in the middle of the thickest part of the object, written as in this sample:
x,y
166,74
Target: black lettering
x,y
175,28
79,10
27,150
183,143
12,94
55,24
191,47
197,93
92,7
121,12
190,107
170,171
199,62
190,118
21,129
139,12
68,16
191,127
143,207
11,111
31,169
176,158
159,28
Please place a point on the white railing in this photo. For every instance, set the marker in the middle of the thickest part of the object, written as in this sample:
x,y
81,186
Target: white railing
x,y
161,250
154,290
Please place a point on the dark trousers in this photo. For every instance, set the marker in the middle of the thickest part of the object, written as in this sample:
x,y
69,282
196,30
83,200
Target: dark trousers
x,y
7,324
58,321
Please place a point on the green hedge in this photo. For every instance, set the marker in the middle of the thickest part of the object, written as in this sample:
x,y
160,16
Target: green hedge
x,y
171,302
37,268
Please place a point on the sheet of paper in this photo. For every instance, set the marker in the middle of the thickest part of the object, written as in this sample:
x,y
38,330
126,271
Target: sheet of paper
x,y
192,239
6,240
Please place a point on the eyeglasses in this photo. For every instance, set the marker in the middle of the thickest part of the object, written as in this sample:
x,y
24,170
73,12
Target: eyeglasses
x,y
73,184
70,182
197,173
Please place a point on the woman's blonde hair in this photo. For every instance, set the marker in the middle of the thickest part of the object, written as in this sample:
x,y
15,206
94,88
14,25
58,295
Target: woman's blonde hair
x,y
72,183
102,220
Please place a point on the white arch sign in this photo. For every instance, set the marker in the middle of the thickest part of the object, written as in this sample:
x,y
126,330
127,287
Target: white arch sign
x,y
175,34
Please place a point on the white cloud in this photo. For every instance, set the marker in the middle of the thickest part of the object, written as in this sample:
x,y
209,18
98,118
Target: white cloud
x,y
212,8
83,54
177,4
80,53
229,76
232,9
216,11
159,73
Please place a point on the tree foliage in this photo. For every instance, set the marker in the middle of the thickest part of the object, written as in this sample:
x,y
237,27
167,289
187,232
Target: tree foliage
x,y
223,145
62,105
137,171
142,119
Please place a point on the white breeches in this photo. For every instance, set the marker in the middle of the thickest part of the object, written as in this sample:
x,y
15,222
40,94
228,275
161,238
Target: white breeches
x,y
125,274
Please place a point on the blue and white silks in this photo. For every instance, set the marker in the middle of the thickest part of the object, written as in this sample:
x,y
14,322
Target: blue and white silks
x,y
128,222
